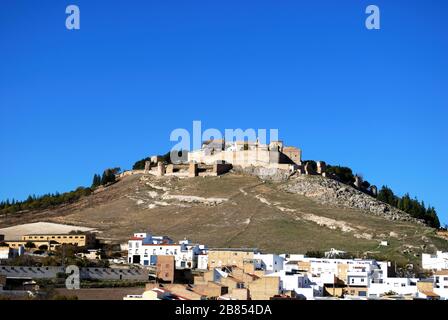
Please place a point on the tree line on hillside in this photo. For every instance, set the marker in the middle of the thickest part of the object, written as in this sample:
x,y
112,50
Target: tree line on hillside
x,y
414,207
109,176
50,200
43,202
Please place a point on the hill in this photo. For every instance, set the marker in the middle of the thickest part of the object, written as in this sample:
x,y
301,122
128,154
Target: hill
x,y
304,213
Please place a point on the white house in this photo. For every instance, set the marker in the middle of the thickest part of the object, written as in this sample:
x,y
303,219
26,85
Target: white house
x,y
203,261
144,248
399,286
441,284
324,272
268,262
9,253
299,282
438,261
334,253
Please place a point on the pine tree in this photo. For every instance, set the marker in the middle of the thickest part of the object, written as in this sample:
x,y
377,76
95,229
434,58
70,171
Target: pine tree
x,y
96,181
104,178
108,176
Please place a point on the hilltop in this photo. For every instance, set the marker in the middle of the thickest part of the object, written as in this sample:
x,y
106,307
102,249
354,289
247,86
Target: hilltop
x,y
303,213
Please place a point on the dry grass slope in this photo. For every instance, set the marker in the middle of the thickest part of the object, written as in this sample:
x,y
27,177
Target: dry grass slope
x,y
237,210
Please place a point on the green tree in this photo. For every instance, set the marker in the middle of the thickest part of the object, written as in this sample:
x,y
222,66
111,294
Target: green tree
x,y
140,165
314,254
387,195
96,181
343,174
30,245
108,176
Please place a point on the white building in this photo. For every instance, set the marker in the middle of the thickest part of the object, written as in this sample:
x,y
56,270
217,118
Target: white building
x,y
396,286
299,282
334,253
441,284
268,262
202,261
330,273
10,253
144,248
438,261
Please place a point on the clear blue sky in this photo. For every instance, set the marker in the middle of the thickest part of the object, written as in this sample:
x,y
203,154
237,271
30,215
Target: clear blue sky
x,y
75,102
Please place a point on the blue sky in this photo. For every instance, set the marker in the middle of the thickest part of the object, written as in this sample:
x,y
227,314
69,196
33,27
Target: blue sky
x,y
75,102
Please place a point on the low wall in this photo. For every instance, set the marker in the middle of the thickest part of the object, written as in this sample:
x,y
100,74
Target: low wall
x,y
85,273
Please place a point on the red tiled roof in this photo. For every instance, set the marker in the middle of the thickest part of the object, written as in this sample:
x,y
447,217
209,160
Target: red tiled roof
x,y
443,272
430,294
253,275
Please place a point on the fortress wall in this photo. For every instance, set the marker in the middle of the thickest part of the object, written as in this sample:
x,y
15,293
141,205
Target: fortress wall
x,y
241,158
292,154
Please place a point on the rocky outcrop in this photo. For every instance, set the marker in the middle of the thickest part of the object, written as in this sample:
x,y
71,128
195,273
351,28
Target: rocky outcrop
x,y
268,174
331,192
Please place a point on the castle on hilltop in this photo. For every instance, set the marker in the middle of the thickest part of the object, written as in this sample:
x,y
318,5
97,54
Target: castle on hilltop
x,y
248,153
216,157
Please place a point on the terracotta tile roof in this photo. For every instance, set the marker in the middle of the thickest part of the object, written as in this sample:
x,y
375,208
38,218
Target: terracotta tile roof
x,y
430,294
441,273
254,276
234,279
